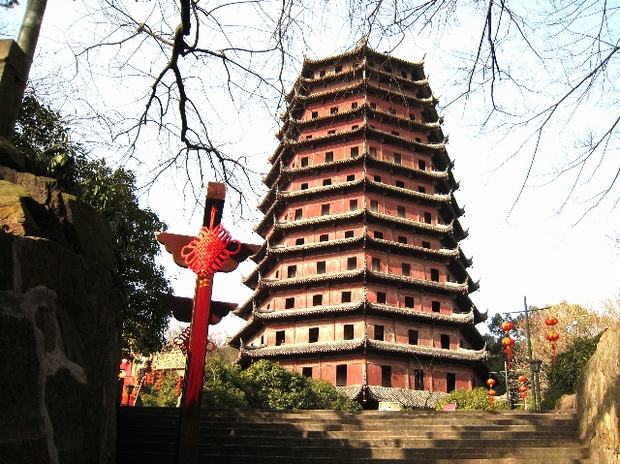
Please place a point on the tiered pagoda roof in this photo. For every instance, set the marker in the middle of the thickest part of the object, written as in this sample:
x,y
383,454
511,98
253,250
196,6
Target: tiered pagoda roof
x,y
361,99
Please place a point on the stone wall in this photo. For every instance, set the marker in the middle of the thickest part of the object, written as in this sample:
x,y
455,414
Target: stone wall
x,y
598,400
59,323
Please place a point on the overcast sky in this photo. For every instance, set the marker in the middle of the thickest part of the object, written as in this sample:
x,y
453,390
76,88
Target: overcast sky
x,y
534,251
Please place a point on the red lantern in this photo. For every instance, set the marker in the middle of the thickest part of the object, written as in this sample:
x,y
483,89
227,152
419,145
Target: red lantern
x,y
491,382
522,379
508,342
491,392
522,388
507,326
523,395
553,337
551,321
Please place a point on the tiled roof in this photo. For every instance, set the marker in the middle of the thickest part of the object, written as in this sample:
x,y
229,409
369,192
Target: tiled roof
x,y
450,287
304,348
418,399
458,355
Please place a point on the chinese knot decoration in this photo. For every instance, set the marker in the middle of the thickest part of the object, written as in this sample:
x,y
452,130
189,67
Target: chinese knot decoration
x,y
207,253
552,335
491,392
182,341
523,388
507,341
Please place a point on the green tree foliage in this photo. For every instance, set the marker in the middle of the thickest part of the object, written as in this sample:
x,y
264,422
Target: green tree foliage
x,y
564,375
44,136
160,389
267,385
476,399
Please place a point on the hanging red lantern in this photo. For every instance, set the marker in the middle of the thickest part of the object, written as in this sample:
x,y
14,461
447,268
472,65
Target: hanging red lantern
x,y
491,382
508,342
507,326
522,379
551,321
553,337
491,392
523,395
522,388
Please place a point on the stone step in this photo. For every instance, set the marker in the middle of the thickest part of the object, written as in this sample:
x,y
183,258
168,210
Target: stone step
x,y
170,458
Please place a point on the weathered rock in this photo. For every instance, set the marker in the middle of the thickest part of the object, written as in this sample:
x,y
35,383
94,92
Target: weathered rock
x,y
10,156
15,217
598,404
566,402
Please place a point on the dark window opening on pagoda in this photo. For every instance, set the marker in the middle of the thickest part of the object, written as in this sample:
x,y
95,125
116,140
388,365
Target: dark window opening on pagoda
x,y
348,332
408,302
325,209
379,332
352,205
426,244
341,375
376,264
386,376
377,234
403,74
374,205
413,337
262,339
331,132
450,382
418,139
372,151
400,210
418,379
289,303
323,237
412,116
333,110
304,162
427,217
395,133
327,182
348,234
402,239
422,165
315,114
280,337
304,186
355,127
322,73
405,269
373,105
351,264
291,271
329,156
306,371
445,342
338,69
299,241
345,297
298,213
317,300
435,275
461,343
320,267
381,297
350,177
421,189
277,273
353,105
309,136
436,306
313,335
391,110
398,159
400,183
355,151
377,178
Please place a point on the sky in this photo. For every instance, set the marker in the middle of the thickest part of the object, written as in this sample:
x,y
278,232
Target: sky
x,y
530,250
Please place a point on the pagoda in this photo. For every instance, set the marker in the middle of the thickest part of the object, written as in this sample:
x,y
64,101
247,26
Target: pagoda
x,y
360,280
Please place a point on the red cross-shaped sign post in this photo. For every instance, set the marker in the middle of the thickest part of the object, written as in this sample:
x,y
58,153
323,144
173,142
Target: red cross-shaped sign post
x,y
213,250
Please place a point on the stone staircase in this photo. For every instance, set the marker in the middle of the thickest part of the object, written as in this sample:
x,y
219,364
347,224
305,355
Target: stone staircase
x,y
148,435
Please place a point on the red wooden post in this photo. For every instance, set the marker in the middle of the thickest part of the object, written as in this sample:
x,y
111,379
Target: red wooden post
x,y
189,426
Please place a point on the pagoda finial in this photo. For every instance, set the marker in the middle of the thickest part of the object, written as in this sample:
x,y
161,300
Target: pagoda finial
x,y
362,42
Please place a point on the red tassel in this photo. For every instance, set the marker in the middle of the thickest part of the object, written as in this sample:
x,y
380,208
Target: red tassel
x,y
508,353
